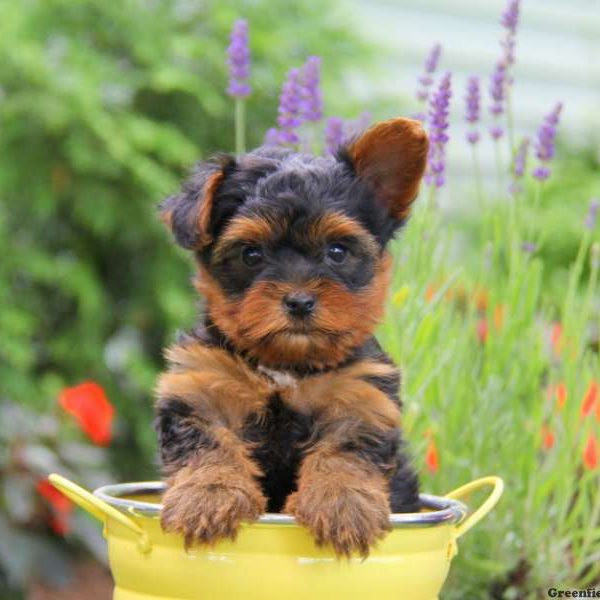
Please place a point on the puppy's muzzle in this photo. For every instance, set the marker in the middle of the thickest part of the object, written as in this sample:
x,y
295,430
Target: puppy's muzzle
x,y
300,304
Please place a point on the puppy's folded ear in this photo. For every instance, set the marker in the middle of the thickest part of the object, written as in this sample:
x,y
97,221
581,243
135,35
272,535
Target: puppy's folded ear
x,y
392,156
189,214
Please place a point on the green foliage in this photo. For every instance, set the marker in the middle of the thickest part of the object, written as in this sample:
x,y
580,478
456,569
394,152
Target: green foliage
x,y
105,106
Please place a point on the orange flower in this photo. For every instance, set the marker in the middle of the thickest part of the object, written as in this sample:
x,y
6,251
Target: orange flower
x,y
481,299
60,505
591,452
590,399
561,395
499,316
89,405
482,330
548,438
430,292
556,337
432,457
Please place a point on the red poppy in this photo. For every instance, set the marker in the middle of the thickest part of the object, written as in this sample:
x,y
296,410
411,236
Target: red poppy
x,y
548,438
482,330
590,399
561,395
430,292
60,505
89,405
432,457
556,337
591,452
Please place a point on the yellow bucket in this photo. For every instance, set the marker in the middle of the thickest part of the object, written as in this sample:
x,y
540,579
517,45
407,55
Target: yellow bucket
x,y
275,558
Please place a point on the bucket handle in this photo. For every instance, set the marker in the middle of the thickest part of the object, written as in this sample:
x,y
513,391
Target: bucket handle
x,y
497,486
99,509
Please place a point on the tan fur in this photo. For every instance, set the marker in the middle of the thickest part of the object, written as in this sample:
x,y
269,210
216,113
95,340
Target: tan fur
x,y
392,155
257,324
209,498
342,500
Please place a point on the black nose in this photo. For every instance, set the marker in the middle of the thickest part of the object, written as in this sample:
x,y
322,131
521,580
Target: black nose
x,y
299,304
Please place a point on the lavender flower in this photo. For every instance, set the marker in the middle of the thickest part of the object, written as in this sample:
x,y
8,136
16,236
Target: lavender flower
x,y
544,143
334,134
497,91
438,136
501,78
311,104
519,166
510,21
289,108
592,214
472,108
272,137
426,78
528,247
356,126
238,59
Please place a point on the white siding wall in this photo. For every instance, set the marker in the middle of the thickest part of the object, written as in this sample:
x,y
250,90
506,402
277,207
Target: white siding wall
x,y
558,58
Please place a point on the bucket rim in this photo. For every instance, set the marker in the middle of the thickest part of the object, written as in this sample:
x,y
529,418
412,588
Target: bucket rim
x,y
442,511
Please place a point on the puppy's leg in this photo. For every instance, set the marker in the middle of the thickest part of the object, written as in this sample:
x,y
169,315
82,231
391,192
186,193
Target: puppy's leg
x,y
203,402
343,493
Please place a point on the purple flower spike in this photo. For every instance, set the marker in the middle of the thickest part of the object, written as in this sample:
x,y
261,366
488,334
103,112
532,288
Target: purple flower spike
x,y
519,166
510,17
334,134
544,143
520,161
438,135
472,108
497,92
238,59
289,108
592,214
426,78
272,137
510,21
311,106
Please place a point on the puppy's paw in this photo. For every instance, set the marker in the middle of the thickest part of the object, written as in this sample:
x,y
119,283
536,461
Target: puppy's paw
x,y
351,520
204,513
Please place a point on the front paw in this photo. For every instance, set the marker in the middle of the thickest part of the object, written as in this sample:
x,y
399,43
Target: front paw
x,y
350,519
204,513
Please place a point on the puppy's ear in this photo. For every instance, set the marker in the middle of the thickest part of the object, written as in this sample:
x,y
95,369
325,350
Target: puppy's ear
x,y
188,214
392,156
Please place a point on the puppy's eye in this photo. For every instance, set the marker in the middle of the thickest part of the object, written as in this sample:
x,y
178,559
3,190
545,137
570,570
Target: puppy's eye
x,y
337,253
252,255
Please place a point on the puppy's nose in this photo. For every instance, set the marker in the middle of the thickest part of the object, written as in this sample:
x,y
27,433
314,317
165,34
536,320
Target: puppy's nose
x,y
299,304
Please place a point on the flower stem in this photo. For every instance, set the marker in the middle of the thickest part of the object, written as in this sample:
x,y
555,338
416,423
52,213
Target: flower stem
x,y
240,126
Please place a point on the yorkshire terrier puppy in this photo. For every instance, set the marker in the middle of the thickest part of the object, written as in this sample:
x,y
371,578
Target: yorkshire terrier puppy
x,y
281,399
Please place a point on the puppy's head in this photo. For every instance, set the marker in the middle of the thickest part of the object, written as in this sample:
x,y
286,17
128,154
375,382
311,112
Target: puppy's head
x,y
291,247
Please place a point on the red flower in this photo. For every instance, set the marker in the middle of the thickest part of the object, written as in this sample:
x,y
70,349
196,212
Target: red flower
x,y
89,405
60,505
548,438
432,458
561,395
591,452
556,337
590,400
482,330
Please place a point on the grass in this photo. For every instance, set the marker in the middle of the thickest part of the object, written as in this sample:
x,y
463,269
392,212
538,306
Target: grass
x,y
483,349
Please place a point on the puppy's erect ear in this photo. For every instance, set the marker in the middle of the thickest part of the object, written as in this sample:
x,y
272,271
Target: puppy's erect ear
x,y
188,214
392,156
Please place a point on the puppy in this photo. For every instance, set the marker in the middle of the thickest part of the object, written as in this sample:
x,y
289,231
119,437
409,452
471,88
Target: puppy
x,y
281,399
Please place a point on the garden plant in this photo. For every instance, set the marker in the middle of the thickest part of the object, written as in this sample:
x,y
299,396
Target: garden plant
x,y
494,316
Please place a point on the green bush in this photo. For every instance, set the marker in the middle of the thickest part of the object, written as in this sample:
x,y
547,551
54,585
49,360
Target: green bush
x,y
105,106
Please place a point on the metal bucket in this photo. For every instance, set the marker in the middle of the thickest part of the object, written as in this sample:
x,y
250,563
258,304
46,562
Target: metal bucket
x,y
275,558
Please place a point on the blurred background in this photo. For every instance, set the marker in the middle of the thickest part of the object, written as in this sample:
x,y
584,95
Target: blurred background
x,y
104,106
